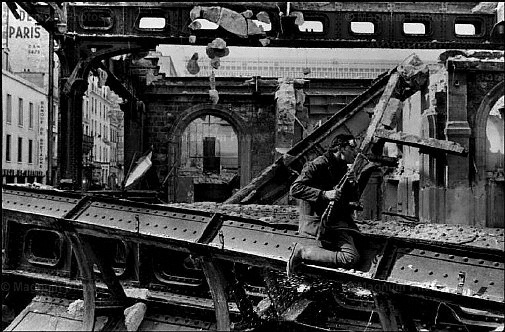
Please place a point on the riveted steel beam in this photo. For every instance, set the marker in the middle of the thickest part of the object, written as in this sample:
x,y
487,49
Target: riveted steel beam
x,y
330,23
407,267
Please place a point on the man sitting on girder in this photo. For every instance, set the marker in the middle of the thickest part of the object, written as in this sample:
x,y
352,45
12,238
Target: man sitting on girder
x,y
315,188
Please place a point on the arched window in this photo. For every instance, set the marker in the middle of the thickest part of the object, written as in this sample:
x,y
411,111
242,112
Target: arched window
x,y
210,144
494,138
209,156
489,156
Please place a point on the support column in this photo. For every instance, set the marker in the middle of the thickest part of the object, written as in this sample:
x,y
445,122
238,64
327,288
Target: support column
x,y
70,134
133,131
458,167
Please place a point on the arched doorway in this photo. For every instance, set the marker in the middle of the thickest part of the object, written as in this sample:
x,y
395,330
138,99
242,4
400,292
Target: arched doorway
x,y
490,155
494,166
209,153
209,156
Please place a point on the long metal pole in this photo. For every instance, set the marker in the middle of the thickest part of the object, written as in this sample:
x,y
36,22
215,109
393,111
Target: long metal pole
x,y
50,108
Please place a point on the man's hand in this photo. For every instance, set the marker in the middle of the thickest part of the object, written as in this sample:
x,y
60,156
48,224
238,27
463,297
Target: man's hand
x,y
332,195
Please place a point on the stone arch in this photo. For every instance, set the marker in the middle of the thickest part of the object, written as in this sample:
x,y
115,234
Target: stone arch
x,y
485,107
225,112
489,191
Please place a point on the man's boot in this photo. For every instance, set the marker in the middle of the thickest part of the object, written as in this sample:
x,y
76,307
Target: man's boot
x,y
310,255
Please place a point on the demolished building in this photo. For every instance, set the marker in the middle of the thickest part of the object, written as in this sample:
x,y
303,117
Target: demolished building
x,y
432,214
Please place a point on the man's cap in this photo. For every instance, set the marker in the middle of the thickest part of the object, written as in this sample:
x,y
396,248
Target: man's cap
x,y
341,140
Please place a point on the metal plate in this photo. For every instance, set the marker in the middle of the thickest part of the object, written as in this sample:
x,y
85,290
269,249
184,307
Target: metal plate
x,y
32,202
258,240
447,272
158,223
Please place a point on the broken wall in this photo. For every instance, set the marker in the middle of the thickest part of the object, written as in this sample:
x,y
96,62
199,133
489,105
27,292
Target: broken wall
x,y
458,189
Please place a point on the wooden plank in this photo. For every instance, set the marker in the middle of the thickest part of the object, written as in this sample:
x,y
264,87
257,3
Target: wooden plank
x,y
379,110
426,144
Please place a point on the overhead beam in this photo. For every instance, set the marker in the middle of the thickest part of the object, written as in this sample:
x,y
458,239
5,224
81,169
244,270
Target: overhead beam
x,y
426,145
117,21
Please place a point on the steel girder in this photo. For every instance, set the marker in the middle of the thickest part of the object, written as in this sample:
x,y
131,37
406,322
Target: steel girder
x,y
465,273
117,21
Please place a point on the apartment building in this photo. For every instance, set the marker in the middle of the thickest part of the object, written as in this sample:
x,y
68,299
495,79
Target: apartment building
x,y
24,118
100,130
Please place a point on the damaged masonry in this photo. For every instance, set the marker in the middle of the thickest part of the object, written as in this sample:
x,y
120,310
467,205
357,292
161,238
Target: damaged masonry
x,y
201,236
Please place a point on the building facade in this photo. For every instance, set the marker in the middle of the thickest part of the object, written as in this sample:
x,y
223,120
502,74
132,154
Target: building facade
x,y
25,54
101,124
24,148
116,116
308,68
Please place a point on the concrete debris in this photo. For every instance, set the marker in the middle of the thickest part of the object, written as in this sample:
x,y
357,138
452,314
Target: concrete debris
x,y
263,17
233,22
192,66
303,288
76,308
240,24
295,310
211,14
218,43
192,39
263,308
254,29
414,74
449,54
264,41
137,293
485,8
195,25
214,96
134,316
195,13
286,109
471,55
299,18
247,14
217,49
35,185
215,63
